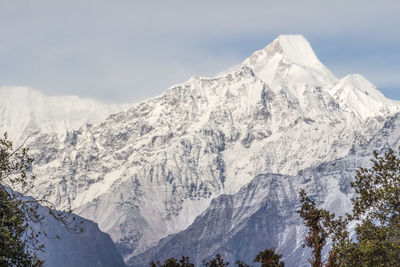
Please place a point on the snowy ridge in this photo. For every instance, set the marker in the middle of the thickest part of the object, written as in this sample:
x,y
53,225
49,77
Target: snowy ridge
x,y
24,111
356,94
147,172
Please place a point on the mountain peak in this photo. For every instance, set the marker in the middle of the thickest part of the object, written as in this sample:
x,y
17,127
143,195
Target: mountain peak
x,y
289,59
296,49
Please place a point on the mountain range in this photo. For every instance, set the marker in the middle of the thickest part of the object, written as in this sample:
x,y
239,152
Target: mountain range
x,y
213,165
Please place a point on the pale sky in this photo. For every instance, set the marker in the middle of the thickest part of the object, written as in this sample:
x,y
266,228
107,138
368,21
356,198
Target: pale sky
x,y
127,50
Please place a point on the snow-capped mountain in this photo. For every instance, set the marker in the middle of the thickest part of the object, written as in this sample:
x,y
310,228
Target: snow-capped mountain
x,y
148,172
289,60
263,213
24,111
355,94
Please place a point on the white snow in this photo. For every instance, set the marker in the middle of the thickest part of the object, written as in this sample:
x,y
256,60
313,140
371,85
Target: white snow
x,y
289,60
24,111
298,50
97,189
356,94
291,114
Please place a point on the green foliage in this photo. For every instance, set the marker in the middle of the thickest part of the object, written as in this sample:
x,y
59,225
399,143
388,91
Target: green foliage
x,y
172,262
376,209
316,235
218,261
17,238
12,228
268,258
378,189
19,214
373,247
376,213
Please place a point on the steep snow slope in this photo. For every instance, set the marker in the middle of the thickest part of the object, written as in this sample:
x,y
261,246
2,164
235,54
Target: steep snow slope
x,y
287,61
24,111
147,172
355,94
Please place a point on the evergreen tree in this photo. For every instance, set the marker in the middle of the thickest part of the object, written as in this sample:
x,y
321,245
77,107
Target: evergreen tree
x,y
376,213
218,261
376,209
19,214
13,250
172,262
268,258
316,235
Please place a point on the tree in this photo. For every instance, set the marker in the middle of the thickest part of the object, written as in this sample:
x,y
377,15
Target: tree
x,y
19,214
376,209
316,235
172,262
268,258
13,251
376,214
218,261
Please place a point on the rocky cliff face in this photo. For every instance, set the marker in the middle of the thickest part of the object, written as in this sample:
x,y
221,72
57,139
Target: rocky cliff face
x,y
148,172
263,213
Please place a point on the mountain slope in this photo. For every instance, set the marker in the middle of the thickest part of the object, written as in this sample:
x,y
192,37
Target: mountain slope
x,y
357,95
148,172
24,111
92,247
263,213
